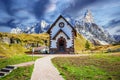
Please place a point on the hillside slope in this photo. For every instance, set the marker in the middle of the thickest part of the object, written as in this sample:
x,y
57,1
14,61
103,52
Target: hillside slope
x,y
11,50
80,43
8,49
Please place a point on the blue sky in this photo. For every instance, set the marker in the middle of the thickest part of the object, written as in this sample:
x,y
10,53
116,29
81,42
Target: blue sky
x,y
24,12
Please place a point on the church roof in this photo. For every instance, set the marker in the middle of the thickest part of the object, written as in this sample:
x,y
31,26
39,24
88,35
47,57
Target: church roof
x,y
59,32
65,21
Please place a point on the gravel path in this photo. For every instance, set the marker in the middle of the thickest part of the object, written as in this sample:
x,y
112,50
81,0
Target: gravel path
x,y
45,70
24,64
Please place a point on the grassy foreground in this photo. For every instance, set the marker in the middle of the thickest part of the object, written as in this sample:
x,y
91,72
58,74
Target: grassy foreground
x,y
95,67
21,73
15,60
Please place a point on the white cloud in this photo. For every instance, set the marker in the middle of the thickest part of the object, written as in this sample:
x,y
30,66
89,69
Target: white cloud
x,y
51,8
113,30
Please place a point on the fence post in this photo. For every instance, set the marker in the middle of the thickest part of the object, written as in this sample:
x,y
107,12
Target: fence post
x,y
33,54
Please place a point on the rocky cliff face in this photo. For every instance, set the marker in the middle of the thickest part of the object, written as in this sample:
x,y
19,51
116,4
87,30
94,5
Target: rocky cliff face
x,y
91,31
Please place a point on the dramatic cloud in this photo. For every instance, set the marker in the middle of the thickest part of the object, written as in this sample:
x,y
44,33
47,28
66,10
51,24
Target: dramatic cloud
x,y
78,5
114,30
114,22
15,13
21,11
113,27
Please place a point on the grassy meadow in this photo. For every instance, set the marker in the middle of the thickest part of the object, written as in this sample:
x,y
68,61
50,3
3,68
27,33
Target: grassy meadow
x,y
94,67
16,60
21,73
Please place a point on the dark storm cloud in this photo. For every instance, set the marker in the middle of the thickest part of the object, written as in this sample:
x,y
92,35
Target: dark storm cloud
x,y
8,23
114,22
21,10
37,7
5,5
113,26
40,7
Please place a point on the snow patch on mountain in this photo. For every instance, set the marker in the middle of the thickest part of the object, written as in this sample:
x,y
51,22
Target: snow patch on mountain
x,y
88,18
16,30
44,23
38,27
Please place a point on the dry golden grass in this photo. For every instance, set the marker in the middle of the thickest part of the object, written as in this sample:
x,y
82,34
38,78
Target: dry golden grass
x,y
13,49
80,43
106,47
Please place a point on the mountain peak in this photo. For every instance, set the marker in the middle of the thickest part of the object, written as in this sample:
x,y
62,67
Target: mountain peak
x,y
91,31
88,18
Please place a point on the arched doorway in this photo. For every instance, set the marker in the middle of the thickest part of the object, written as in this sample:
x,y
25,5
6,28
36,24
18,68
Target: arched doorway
x,y
61,44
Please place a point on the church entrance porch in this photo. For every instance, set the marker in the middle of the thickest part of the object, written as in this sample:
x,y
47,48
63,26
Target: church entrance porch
x,y
61,44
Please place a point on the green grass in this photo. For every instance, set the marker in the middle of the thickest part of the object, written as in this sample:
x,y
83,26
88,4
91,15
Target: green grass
x,y
15,60
21,73
95,67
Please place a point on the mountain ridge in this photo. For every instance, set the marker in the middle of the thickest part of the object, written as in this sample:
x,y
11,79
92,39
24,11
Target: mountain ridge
x,y
85,26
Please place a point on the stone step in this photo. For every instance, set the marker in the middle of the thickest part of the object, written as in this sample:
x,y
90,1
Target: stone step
x,y
3,73
11,67
6,70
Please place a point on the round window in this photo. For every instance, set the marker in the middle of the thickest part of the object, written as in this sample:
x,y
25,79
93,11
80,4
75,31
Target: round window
x,y
61,24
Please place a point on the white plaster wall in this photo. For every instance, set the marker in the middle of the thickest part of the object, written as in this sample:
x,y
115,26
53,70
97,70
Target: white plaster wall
x,y
67,29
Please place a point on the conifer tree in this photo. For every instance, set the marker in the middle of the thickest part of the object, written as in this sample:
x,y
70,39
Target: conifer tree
x,y
87,45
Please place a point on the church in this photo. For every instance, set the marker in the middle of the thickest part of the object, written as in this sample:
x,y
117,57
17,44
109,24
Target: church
x,y
62,35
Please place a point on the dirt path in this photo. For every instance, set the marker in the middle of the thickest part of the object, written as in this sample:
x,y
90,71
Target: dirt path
x,y
45,70
24,64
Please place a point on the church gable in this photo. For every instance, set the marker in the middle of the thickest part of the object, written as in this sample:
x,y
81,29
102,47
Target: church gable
x,y
57,25
58,33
